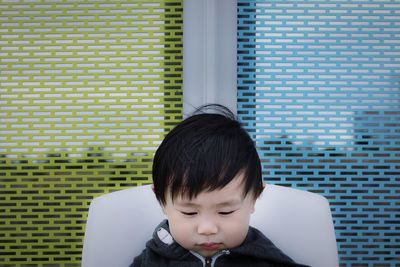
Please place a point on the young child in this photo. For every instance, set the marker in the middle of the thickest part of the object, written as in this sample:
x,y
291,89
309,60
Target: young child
x,y
207,177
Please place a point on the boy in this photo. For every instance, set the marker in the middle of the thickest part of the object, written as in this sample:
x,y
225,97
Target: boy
x,y
207,177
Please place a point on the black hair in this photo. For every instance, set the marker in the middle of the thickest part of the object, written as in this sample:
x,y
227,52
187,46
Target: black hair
x,y
205,152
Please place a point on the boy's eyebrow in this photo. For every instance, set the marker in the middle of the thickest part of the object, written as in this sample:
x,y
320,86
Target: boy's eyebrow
x,y
230,202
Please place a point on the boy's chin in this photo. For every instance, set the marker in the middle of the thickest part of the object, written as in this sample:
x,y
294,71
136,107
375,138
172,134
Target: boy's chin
x,y
208,254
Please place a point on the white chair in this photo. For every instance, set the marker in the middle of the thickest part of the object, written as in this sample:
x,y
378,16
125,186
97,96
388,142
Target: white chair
x,y
298,222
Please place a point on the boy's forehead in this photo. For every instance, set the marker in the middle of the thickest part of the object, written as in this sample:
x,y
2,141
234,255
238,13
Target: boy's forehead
x,y
202,199
234,190
217,197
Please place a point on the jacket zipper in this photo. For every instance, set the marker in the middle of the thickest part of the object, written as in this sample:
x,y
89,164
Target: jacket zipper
x,y
210,261
207,262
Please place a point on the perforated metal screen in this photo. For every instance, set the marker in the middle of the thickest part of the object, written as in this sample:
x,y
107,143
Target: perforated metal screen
x,y
87,91
319,90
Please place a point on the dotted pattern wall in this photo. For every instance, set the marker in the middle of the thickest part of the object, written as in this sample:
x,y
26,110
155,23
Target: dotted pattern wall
x,y
87,91
318,88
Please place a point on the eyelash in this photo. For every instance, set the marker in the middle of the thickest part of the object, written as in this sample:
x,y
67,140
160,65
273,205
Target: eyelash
x,y
194,213
226,213
189,213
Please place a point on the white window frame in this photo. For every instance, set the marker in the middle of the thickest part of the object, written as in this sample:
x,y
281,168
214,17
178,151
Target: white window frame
x,y
209,54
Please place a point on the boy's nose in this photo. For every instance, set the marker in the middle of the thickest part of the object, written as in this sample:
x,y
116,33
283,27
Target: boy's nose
x,y
207,227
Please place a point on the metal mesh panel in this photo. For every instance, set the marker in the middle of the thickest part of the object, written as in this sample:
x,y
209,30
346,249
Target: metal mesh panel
x,y
318,89
88,90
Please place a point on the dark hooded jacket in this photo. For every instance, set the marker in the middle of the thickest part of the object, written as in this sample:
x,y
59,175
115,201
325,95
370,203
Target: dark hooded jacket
x,y
256,251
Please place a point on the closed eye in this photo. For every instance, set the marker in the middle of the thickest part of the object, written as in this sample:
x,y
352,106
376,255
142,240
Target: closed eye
x,y
226,212
189,213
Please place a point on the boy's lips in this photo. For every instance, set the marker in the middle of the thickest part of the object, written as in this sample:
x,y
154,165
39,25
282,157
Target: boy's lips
x,y
210,246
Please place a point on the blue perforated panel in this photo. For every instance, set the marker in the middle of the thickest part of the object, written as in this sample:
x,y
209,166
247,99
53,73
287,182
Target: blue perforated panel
x,y
318,89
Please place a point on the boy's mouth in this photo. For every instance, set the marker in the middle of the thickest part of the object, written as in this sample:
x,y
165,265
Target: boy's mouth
x,y
210,246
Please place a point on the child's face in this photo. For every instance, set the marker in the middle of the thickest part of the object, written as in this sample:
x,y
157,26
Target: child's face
x,y
212,221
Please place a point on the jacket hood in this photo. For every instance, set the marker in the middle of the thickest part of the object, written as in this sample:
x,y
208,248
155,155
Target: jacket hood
x,y
163,244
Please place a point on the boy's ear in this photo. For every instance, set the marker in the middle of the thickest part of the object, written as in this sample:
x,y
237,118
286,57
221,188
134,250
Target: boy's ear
x,y
161,205
163,210
255,199
253,206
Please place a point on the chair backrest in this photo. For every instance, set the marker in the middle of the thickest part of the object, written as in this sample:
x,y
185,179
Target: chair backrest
x,y
298,222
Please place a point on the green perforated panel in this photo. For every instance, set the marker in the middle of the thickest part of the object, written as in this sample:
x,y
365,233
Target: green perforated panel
x,y
87,91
